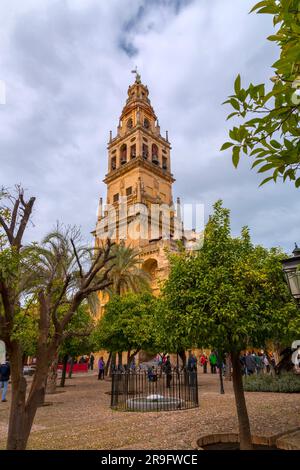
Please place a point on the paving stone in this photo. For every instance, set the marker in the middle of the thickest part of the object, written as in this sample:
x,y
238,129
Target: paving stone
x,y
81,418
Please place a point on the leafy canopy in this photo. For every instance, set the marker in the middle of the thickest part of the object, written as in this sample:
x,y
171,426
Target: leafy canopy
x,y
269,131
78,336
230,295
128,323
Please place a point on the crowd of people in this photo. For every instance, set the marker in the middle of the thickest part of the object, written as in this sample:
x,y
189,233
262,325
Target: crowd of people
x,y
257,363
251,363
89,360
212,360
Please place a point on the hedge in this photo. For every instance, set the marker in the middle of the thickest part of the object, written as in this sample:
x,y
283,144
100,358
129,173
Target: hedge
x,y
287,382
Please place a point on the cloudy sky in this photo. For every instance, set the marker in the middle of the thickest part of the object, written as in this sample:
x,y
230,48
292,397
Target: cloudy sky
x,y
66,65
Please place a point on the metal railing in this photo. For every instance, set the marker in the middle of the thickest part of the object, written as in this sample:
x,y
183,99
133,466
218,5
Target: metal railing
x,y
154,390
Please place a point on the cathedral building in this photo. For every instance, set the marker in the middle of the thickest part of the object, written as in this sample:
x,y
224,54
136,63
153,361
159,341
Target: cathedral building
x,y
139,209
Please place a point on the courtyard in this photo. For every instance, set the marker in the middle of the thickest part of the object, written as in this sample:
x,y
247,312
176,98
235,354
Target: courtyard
x,y
79,417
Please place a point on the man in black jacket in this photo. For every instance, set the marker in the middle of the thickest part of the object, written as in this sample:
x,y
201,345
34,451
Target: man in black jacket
x,y
4,378
168,371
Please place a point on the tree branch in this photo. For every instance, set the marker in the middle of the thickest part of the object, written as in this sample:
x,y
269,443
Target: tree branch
x,y
56,323
77,258
14,216
77,334
7,230
27,212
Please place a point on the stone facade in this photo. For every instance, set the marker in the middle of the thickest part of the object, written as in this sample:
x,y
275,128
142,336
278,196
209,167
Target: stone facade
x,y
139,176
139,173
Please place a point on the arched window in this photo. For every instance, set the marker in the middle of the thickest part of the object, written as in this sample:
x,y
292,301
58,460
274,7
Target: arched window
x,y
133,151
123,154
113,163
146,123
150,266
165,163
145,151
155,154
129,123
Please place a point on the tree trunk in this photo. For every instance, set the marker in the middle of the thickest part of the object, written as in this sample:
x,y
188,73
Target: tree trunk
x,y
222,391
71,368
108,363
131,357
52,376
228,367
22,411
182,356
243,418
112,363
16,438
64,370
120,359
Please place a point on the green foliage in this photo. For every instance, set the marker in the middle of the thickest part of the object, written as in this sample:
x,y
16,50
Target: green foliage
x,y
173,316
9,264
230,295
128,323
284,383
79,334
270,116
26,329
5,213
126,273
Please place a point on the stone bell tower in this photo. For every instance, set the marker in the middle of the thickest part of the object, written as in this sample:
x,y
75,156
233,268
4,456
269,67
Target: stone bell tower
x,y
139,175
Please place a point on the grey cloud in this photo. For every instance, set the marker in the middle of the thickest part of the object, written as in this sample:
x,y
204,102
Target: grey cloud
x,y
67,70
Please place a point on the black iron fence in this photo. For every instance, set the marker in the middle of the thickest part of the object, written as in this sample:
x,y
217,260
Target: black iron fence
x,y
154,390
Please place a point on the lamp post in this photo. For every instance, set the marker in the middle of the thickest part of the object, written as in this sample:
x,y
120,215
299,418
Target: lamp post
x,y
291,269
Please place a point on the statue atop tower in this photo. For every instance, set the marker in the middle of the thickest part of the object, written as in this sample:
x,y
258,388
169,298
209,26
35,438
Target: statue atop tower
x,y
137,75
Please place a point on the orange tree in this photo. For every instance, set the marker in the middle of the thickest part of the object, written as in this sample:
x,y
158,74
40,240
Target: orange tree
x,y
129,324
230,296
269,116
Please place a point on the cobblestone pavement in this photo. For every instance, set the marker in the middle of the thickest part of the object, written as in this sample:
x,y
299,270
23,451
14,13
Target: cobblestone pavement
x,y
79,417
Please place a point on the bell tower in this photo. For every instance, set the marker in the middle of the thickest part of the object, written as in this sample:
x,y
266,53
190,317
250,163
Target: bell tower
x,y
139,173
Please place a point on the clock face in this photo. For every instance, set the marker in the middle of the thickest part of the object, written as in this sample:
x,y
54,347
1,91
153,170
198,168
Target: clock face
x,y
146,123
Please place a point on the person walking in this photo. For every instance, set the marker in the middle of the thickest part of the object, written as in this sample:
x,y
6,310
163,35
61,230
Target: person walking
x,y
192,362
101,368
250,363
4,378
266,364
259,363
213,362
168,371
203,362
243,364
192,368
91,361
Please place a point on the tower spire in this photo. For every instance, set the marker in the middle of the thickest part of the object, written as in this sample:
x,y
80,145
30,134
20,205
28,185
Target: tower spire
x,y
137,75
